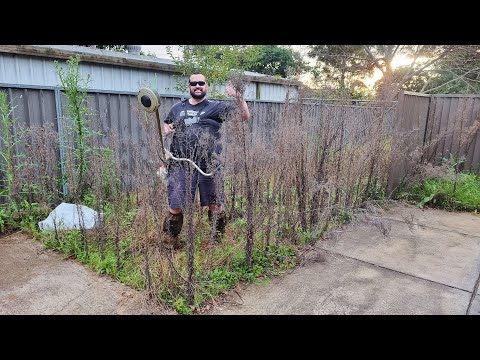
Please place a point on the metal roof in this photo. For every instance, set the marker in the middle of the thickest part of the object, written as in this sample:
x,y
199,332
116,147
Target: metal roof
x,y
89,54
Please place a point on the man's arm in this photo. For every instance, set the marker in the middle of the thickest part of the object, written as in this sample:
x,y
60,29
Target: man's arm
x,y
168,126
231,91
244,108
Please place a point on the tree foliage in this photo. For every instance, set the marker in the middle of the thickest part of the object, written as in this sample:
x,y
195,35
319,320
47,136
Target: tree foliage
x,y
458,72
343,64
216,62
340,63
423,58
276,61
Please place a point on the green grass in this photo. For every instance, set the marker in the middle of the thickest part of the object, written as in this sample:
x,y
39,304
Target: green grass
x,y
231,268
71,244
442,193
271,261
21,216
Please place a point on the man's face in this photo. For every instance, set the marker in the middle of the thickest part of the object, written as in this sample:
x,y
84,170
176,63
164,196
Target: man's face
x,y
198,91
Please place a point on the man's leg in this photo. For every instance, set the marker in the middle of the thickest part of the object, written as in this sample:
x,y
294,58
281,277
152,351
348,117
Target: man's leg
x,y
172,225
217,217
173,221
211,195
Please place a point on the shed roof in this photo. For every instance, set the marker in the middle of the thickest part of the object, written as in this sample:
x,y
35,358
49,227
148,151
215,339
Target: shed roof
x,y
88,54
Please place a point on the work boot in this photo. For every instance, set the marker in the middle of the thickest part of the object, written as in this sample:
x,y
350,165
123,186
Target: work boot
x,y
220,223
172,225
171,242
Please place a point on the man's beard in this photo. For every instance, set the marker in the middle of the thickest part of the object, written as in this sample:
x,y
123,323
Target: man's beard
x,y
195,96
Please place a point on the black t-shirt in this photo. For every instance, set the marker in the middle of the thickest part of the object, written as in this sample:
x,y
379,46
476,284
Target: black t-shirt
x,y
197,129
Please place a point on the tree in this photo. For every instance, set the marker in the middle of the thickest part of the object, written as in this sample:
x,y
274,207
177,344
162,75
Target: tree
x,y
392,81
353,61
456,73
443,69
341,66
277,61
217,62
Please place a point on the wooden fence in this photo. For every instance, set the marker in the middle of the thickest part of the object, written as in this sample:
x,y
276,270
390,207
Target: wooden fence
x,y
431,128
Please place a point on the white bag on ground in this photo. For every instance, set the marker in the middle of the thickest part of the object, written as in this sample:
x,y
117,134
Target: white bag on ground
x,y
69,217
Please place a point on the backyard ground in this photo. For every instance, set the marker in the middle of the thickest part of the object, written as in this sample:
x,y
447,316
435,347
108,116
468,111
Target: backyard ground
x,y
407,261
404,261
35,280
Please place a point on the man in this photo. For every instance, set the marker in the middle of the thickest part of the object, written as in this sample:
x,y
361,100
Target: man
x,y
195,124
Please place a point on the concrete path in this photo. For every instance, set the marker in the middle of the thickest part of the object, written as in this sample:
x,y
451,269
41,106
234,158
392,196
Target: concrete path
x,y
37,281
406,261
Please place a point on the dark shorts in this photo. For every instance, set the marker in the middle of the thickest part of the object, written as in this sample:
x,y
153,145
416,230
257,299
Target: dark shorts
x,y
207,185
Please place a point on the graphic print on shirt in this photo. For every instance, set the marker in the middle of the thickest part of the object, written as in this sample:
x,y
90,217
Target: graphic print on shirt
x,y
191,117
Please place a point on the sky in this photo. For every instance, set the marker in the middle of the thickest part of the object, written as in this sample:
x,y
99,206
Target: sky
x,y
161,52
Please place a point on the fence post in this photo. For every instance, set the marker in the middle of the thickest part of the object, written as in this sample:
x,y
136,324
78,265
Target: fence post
x,y
396,172
426,126
426,120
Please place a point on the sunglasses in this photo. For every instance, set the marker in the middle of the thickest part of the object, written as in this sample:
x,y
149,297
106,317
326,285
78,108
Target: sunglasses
x,y
194,83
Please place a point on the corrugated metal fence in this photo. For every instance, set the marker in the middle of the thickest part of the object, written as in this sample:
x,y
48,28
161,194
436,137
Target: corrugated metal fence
x,y
441,122
118,112
110,112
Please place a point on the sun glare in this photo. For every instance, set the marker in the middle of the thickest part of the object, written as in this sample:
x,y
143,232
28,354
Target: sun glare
x,y
397,62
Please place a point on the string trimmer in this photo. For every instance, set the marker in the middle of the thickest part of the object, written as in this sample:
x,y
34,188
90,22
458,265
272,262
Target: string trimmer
x,y
149,101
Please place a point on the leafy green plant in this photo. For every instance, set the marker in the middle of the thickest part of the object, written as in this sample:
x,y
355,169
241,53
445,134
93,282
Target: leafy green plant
x,y
71,244
10,136
4,216
180,304
227,274
21,215
75,88
217,62
459,193
305,237
8,143
344,216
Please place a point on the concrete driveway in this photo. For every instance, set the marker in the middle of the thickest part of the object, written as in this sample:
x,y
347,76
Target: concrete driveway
x,y
38,281
406,261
